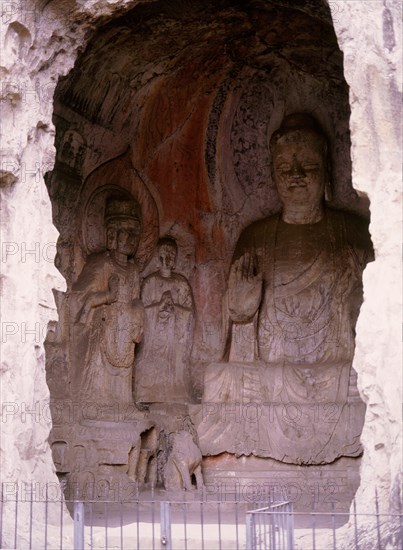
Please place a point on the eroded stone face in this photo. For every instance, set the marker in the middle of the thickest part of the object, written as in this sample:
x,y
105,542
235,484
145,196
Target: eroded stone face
x,y
194,126
228,125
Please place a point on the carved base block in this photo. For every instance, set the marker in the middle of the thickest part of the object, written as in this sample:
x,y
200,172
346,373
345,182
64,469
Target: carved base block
x,y
257,480
99,459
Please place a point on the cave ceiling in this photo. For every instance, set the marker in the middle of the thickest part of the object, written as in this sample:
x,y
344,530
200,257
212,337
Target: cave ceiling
x,y
198,44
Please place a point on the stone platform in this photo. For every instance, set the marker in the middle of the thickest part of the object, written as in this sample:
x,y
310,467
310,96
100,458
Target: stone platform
x,y
324,488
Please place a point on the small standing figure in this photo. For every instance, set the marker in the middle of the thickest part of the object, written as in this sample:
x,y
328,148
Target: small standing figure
x,y
162,370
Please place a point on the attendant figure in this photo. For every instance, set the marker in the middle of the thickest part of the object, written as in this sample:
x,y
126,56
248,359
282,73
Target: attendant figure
x,y
162,370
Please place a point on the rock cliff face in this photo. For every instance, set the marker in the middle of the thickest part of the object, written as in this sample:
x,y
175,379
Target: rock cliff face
x,y
375,92
193,88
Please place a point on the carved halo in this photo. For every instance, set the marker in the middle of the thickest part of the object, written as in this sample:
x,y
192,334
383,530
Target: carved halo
x,y
117,176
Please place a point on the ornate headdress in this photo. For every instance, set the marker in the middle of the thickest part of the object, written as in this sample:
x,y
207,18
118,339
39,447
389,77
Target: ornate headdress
x,y
118,208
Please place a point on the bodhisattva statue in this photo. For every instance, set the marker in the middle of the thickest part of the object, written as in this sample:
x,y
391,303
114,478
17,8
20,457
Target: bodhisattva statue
x,y
162,368
109,313
296,279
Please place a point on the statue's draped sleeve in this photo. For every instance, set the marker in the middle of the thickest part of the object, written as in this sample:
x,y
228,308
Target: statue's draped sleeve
x,y
89,278
359,241
360,253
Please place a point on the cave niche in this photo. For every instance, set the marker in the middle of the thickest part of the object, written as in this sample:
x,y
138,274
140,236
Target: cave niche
x,y
173,104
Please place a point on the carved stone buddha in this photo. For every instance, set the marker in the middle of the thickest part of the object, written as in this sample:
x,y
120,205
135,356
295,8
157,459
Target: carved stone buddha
x,y
294,293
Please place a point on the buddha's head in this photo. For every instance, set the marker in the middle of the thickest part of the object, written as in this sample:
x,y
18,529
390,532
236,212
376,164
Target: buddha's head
x,y
300,160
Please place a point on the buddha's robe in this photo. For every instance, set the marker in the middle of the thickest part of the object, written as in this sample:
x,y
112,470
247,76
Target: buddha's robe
x,y
293,362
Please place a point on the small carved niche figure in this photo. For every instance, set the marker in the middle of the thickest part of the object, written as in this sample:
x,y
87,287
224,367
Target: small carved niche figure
x,y
108,313
134,455
162,369
71,151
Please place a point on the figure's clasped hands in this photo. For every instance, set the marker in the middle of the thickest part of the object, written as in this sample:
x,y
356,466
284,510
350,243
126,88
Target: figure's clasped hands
x,y
167,305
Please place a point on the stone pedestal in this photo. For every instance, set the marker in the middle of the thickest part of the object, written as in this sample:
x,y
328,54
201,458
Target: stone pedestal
x,y
255,480
99,459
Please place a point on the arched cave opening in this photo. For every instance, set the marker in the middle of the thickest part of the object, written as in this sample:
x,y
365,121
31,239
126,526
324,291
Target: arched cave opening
x,y
173,105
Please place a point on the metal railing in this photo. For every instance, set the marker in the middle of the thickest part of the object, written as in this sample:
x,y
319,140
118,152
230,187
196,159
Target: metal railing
x,y
270,528
41,519
136,525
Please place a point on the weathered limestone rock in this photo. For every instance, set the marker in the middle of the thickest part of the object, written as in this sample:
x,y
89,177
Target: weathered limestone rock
x,y
198,157
38,44
375,98
111,105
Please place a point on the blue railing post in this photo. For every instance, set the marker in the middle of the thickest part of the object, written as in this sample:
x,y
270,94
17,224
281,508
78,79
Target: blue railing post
x,y
249,532
78,525
290,527
166,536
